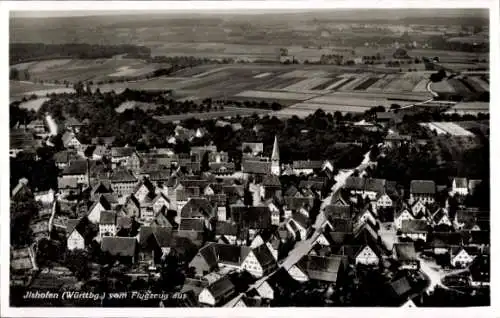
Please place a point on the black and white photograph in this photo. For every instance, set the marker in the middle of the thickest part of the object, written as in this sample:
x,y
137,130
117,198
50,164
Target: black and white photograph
x,y
261,157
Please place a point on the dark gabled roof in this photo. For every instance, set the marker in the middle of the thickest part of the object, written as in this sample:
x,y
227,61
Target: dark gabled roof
x,y
76,167
301,219
258,217
445,239
105,140
263,255
405,251
119,246
67,183
341,225
159,175
72,122
209,254
122,175
375,185
338,211
414,226
64,156
147,183
440,213
461,182
220,288
107,217
122,151
307,164
192,225
296,204
221,166
355,183
226,228
124,222
311,184
422,187
271,181
400,286
197,208
256,167
71,225
102,200
231,254
322,268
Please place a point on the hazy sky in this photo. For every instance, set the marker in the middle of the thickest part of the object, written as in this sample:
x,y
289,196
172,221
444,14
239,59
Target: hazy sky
x,y
400,12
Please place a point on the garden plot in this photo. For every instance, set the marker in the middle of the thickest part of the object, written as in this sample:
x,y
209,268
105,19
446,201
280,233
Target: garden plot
x,y
382,82
279,83
367,83
404,83
275,95
305,73
209,72
349,101
325,85
307,84
351,85
442,87
262,75
339,83
421,86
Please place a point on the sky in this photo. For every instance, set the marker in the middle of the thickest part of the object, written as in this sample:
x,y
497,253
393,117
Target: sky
x,y
401,12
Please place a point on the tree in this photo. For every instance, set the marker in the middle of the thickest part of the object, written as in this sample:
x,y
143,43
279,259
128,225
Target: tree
x,y
77,261
14,74
22,211
395,106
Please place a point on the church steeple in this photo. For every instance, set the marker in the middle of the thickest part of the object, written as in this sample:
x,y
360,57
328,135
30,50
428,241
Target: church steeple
x,y
276,150
275,158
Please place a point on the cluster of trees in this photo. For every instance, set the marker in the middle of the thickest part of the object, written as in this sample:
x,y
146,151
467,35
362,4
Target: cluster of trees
x,y
17,75
23,52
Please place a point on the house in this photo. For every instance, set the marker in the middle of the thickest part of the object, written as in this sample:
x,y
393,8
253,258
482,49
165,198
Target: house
x,y
122,182
271,187
419,209
386,118
255,167
251,217
80,232
69,140
120,155
73,124
406,255
95,210
108,224
106,141
217,293
364,216
22,260
480,271
37,126
63,158
400,216
306,166
297,225
459,186
442,242
226,232
394,139
461,256
317,268
259,261
272,242
123,248
423,190
440,217
221,168
198,208
373,188
383,201
414,229
45,197
398,288
369,254
68,186
78,170
338,211
134,162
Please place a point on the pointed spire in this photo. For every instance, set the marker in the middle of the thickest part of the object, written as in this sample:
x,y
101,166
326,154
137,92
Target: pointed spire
x,y
276,151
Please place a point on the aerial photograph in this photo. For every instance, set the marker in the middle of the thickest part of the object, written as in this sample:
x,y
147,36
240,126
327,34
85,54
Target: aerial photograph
x,y
252,158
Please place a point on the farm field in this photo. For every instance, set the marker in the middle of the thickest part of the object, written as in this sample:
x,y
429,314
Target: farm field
x,y
74,70
275,95
34,104
470,108
20,88
445,128
227,112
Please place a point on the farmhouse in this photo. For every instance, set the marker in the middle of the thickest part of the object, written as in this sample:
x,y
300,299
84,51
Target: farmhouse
x,y
459,186
405,254
423,190
414,229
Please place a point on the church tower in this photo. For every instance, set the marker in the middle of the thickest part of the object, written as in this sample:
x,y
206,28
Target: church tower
x,y
275,158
